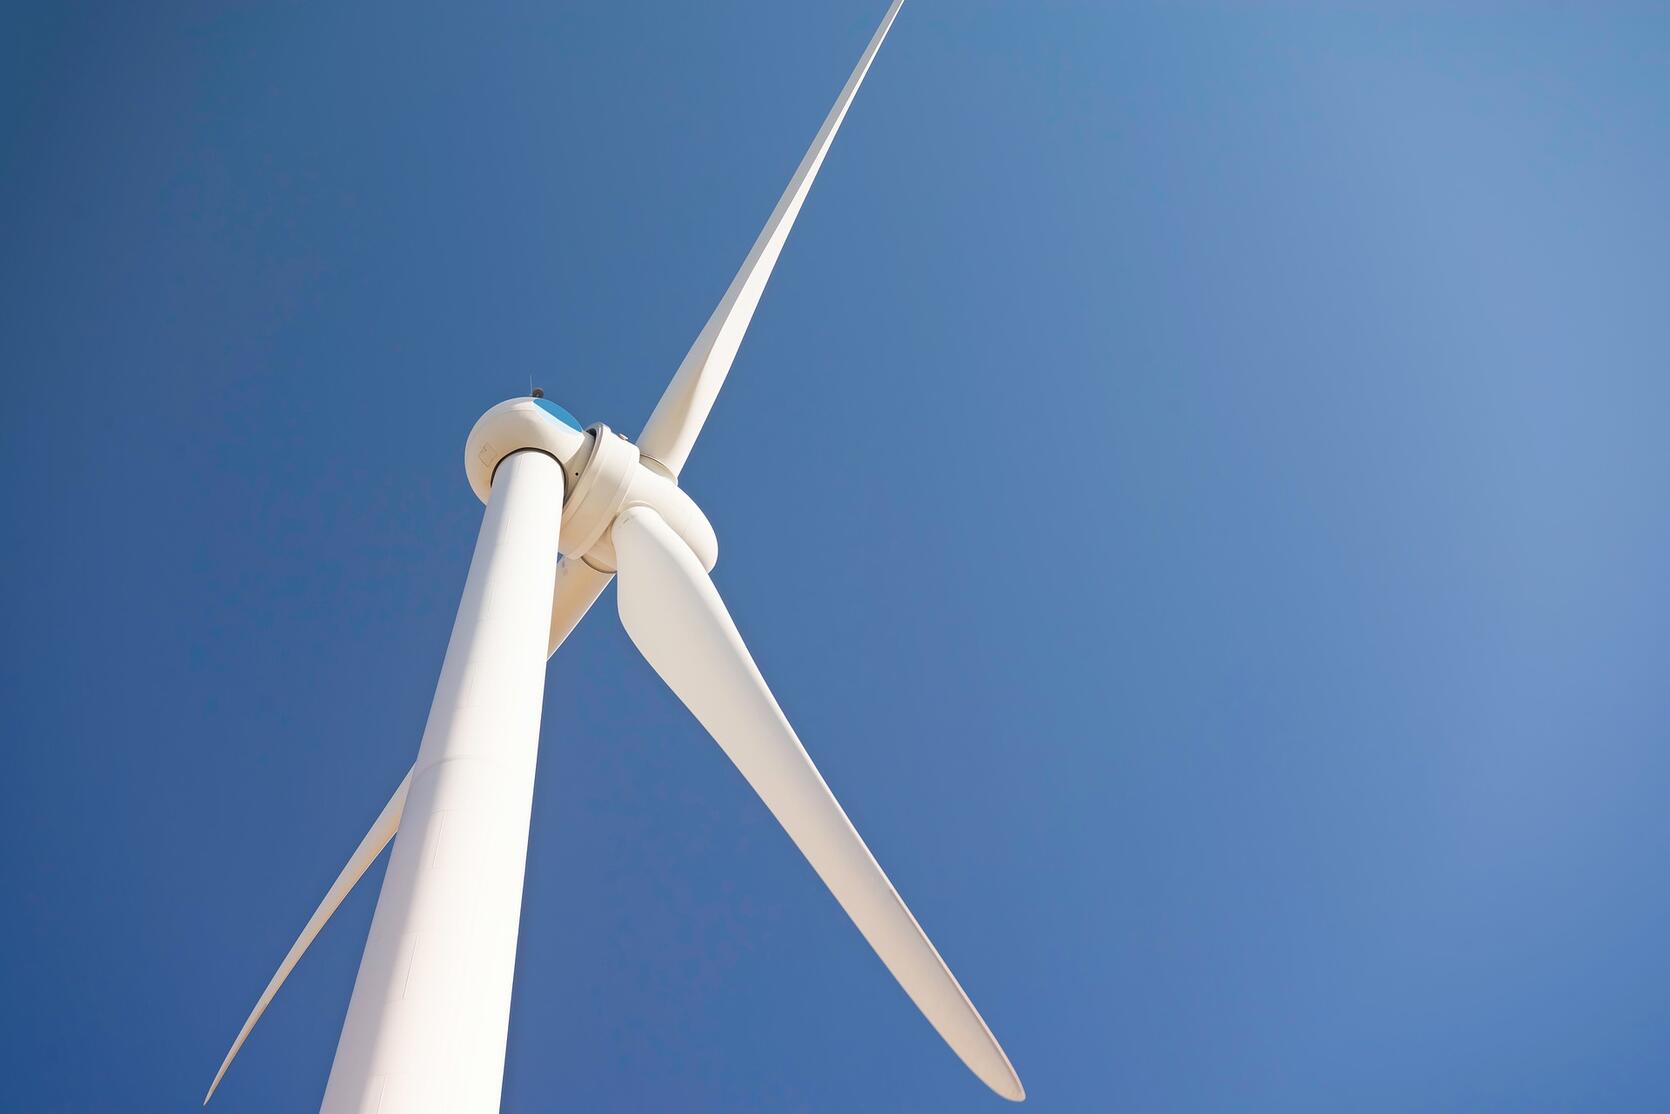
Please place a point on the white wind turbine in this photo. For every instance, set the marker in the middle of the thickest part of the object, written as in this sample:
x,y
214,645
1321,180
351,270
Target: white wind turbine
x,y
426,1025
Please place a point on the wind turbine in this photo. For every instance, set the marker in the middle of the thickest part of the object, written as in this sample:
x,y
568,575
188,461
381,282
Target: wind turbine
x,y
569,509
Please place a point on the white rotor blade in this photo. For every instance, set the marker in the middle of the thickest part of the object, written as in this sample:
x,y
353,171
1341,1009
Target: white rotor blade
x,y
674,615
577,588
678,417
382,830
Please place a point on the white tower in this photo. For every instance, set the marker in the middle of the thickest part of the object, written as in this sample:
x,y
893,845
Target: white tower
x,y
426,1025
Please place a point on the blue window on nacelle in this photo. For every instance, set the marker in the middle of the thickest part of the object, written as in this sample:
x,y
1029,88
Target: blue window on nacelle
x,y
558,413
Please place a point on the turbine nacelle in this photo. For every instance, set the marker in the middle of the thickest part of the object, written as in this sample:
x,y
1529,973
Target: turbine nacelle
x,y
603,475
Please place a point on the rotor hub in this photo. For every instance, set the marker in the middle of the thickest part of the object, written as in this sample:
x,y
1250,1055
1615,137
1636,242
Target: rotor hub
x,y
603,474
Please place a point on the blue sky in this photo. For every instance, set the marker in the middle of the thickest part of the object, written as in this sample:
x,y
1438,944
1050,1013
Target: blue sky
x,y
1197,482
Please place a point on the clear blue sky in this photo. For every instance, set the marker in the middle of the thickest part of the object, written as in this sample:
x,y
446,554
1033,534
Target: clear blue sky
x,y
1199,482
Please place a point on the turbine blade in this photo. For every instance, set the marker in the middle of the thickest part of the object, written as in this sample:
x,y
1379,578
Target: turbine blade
x,y
678,417
674,615
382,830
578,586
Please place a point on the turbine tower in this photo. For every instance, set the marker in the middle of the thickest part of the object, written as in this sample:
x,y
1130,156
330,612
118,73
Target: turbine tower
x,y
568,509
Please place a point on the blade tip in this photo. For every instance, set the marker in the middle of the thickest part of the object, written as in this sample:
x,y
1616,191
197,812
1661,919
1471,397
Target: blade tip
x,y
219,1075
1000,1075
1008,1086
